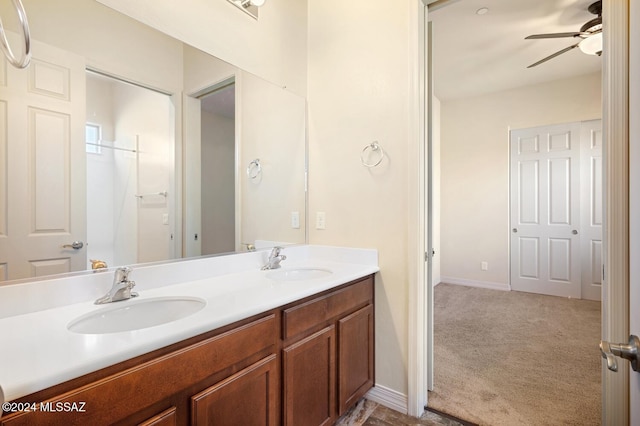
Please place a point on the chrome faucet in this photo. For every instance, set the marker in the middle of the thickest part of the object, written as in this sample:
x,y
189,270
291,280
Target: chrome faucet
x,y
121,288
274,259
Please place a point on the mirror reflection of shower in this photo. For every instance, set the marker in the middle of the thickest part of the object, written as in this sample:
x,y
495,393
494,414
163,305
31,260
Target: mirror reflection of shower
x,y
218,169
130,157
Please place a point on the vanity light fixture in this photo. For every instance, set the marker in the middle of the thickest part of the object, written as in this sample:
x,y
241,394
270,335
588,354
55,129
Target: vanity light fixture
x,y
248,6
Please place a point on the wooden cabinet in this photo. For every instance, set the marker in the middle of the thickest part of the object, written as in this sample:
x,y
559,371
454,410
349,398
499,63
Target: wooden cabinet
x,y
301,364
309,372
355,357
325,372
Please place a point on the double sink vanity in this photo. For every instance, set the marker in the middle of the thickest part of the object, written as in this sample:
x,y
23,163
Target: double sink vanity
x,y
209,341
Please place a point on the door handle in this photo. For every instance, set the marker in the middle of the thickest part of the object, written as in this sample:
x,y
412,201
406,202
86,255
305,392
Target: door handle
x,y
76,245
627,351
514,230
574,232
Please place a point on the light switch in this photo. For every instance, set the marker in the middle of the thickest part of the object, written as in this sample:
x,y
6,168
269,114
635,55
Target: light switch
x,y
321,220
295,220
165,218
484,266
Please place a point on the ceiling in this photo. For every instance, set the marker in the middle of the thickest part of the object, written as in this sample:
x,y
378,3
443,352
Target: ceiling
x,y
478,54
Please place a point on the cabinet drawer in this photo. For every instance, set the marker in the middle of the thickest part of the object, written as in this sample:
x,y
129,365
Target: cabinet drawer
x,y
314,313
117,396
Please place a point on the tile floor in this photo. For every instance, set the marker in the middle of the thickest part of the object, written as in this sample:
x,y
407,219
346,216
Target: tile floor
x,y
368,413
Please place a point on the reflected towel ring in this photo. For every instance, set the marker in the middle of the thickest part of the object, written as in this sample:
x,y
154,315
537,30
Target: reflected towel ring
x,y
4,43
373,147
254,169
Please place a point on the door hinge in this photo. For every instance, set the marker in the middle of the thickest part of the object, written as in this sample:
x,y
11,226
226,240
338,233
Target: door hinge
x,y
426,255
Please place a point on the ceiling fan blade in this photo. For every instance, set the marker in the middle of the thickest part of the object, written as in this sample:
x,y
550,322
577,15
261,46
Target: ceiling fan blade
x,y
560,52
556,35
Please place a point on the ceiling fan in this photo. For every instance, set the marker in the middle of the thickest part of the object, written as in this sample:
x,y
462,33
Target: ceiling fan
x,y
590,36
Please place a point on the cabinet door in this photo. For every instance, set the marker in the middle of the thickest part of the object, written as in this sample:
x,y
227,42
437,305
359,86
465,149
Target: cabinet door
x,y
247,398
355,357
309,371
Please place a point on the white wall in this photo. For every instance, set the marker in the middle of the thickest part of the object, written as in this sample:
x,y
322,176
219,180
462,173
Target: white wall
x,y
475,168
87,29
218,183
272,129
273,47
435,187
359,92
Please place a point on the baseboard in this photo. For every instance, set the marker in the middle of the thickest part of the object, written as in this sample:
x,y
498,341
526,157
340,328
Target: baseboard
x,y
473,283
389,398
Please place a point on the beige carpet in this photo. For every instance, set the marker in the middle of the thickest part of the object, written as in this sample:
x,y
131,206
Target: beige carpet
x,y
510,358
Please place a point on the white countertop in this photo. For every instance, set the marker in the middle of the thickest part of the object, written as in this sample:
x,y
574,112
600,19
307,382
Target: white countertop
x,y
38,351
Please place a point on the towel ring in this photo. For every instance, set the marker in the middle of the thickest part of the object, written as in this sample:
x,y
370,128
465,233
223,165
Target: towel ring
x,y
4,43
373,147
254,169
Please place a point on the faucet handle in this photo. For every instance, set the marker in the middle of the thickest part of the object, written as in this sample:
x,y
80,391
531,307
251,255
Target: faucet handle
x,y
122,274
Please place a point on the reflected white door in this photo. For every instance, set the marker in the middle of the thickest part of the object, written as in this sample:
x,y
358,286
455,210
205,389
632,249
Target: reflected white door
x,y
42,171
591,208
545,219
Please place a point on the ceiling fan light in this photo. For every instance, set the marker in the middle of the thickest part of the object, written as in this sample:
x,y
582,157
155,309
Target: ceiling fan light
x,y
592,45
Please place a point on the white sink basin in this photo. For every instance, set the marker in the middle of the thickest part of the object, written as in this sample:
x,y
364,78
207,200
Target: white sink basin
x,y
136,314
298,274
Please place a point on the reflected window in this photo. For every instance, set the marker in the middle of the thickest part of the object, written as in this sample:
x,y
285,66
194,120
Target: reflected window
x,y
93,138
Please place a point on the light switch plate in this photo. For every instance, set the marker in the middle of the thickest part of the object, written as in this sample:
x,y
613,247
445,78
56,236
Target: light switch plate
x,y
321,220
295,220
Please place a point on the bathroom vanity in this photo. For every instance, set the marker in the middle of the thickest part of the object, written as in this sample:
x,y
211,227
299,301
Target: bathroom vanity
x,y
303,362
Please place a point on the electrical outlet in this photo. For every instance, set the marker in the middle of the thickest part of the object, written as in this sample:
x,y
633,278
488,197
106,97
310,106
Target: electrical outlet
x,y
484,266
321,220
295,220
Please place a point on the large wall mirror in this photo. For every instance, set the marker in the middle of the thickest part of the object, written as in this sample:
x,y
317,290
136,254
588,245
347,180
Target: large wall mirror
x,y
124,145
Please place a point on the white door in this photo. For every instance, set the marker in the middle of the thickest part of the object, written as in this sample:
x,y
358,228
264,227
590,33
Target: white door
x,y
591,208
42,178
545,194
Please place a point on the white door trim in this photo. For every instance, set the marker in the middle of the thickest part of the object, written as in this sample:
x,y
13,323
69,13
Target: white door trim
x,y
615,118
417,330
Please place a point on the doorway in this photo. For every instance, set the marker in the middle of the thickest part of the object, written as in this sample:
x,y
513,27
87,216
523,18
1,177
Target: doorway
x,y
475,168
217,153
211,181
